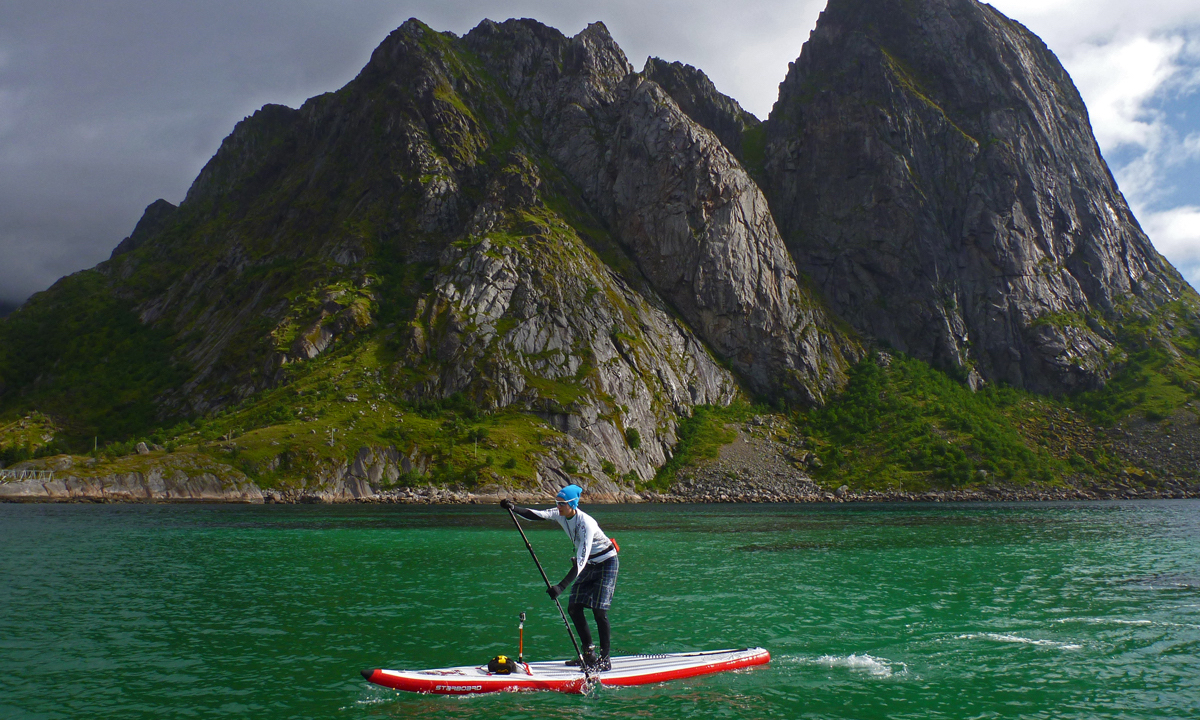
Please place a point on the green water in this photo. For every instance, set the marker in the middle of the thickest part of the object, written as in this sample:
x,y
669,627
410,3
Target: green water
x,y
947,611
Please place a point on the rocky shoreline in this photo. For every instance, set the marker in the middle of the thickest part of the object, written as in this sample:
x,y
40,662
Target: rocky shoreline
x,y
702,495
991,494
443,496
762,464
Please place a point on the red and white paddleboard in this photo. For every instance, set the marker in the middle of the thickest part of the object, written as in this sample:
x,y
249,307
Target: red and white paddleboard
x,y
626,670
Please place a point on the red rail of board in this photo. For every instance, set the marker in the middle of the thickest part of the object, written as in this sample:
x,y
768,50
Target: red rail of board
x,y
627,671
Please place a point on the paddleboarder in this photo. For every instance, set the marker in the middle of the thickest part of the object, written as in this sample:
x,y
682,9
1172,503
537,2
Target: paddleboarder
x,y
593,570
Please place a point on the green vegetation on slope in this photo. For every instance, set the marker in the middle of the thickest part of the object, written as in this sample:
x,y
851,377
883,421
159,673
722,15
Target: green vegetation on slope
x,y
1162,373
348,399
80,354
900,424
700,438
32,436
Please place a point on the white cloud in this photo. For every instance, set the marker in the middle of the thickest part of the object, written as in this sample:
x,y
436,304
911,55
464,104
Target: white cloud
x,y
1117,79
1179,230
1191,145
1176,234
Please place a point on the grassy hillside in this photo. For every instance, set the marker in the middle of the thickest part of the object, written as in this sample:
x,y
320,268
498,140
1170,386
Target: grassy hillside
x,y
329,409
1162,373
902,425
899,424
79,353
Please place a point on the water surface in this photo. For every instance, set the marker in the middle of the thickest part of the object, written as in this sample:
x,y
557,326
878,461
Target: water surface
x,y
1087,610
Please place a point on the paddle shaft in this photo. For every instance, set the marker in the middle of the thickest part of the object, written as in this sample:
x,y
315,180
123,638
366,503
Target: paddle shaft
x,y
557,604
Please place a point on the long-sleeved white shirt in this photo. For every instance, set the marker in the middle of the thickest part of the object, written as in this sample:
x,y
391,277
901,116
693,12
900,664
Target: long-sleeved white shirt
x,y
585,533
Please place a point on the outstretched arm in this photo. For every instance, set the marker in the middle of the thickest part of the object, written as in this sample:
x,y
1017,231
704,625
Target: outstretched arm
x,y
526,513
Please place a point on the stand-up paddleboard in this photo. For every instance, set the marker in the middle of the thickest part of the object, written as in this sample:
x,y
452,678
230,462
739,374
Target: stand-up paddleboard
x,y
626,670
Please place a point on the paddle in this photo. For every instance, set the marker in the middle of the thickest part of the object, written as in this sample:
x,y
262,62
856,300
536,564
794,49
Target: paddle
x,y
578,653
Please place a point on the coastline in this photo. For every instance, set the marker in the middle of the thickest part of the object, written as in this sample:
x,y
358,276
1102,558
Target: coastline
x,y
448,496
754,468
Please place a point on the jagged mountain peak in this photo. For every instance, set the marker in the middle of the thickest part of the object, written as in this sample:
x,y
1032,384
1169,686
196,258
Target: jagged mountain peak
x,y
933,170
155,217
699,98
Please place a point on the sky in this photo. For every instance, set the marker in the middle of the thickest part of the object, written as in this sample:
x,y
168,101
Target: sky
x,y
107,106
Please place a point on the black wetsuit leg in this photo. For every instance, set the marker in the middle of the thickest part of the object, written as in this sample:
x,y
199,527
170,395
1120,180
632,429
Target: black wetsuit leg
x,y
581,626
603,630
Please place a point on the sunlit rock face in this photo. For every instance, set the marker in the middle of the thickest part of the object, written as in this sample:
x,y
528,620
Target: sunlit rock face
x,y
677,199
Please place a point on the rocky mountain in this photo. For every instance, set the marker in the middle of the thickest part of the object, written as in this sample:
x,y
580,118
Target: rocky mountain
x,y
676,199
933,170
518,224
532,223
696,96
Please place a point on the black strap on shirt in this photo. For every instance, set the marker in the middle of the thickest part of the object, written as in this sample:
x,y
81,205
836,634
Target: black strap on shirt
x,y
598,553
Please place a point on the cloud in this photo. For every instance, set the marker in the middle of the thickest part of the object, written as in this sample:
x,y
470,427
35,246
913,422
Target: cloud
x,y
1176,234
1191,145
1117,80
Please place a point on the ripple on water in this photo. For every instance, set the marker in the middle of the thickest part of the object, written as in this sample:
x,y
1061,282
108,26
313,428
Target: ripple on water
x,y
1123,621
1007,638
864,663
1167,581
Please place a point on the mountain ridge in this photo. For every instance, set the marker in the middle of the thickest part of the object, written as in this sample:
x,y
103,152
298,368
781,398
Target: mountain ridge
x,y
515,224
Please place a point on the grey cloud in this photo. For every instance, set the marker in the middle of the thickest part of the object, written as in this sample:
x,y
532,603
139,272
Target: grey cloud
x,y
108,106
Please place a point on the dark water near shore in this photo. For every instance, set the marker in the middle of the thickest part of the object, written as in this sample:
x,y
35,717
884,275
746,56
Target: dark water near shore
x,y
1088,610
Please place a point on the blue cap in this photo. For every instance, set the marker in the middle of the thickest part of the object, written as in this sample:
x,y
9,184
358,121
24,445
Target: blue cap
x,y
570,495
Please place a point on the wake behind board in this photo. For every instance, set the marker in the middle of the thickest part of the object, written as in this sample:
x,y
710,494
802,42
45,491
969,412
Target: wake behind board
x,y
626,670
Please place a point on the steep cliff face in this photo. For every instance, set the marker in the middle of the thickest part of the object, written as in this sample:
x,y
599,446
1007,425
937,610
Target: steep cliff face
x,y
525,313
678,200
700,100
701,231
932,168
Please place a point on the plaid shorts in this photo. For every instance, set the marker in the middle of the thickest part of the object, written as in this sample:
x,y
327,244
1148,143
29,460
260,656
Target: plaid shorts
x,y
595,585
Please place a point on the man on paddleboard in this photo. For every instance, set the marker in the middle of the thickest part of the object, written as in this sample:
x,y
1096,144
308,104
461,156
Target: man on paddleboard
x,y
594,570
